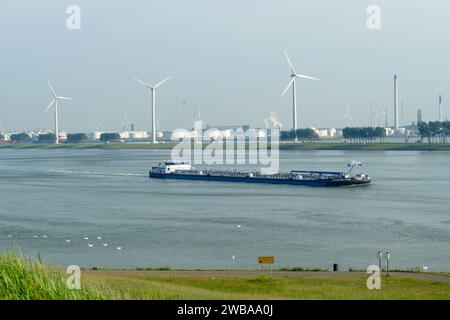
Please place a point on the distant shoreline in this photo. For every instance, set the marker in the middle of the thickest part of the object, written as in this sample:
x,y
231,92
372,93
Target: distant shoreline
x,y
283,146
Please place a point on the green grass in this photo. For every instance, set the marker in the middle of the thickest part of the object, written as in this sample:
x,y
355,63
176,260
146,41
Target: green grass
x,y
207,285
27,279
22,278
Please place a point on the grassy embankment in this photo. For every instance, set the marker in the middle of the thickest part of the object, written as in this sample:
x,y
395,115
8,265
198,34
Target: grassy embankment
x,y
25,279
22,278
283,146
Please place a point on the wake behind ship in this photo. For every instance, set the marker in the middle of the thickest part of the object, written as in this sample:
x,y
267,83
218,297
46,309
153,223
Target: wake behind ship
x,y
185,171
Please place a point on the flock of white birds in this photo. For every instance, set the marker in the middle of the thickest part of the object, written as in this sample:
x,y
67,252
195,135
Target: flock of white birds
x,y
89,243
67,240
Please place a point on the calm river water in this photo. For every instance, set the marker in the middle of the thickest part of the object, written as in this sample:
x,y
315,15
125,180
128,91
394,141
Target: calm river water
x,y
50,196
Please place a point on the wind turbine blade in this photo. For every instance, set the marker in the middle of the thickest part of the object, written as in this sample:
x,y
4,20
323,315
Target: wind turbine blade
x,y
64,98
288,86
306,77
144,83
51,88
289,62
51,103
160,83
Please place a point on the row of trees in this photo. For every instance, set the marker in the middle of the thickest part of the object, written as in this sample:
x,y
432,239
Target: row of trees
x,y
110,137
364,134
46,138
21,138
435,131
354,135
299,134
76,137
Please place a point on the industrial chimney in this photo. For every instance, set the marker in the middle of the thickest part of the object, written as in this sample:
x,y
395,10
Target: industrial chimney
x,y
395,103
441,116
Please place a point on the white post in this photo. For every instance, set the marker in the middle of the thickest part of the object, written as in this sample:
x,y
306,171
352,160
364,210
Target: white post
x,y
388,256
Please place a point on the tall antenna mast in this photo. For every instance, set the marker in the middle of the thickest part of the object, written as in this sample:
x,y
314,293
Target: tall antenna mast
x,y
395,103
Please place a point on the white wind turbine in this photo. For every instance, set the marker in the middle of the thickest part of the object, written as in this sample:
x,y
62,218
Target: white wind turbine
x,y
348,118
294,75
55,102
153,88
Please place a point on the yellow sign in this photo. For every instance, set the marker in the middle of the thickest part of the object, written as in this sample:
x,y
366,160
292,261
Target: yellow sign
x,y
266,260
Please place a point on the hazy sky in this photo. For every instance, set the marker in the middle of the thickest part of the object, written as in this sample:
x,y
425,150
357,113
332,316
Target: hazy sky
x,y
226,58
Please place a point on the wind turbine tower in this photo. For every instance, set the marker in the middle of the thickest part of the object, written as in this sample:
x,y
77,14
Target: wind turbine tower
x,y
395,103
55,102
294,75
153,89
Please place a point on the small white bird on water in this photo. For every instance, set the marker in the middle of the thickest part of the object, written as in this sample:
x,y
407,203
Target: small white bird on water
x,y
67,240
44,236
239,225
99,238
86,238
105,244
233,257
90,245
119,248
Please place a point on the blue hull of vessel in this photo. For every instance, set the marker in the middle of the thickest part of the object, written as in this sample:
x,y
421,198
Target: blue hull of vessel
x,y
311,183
